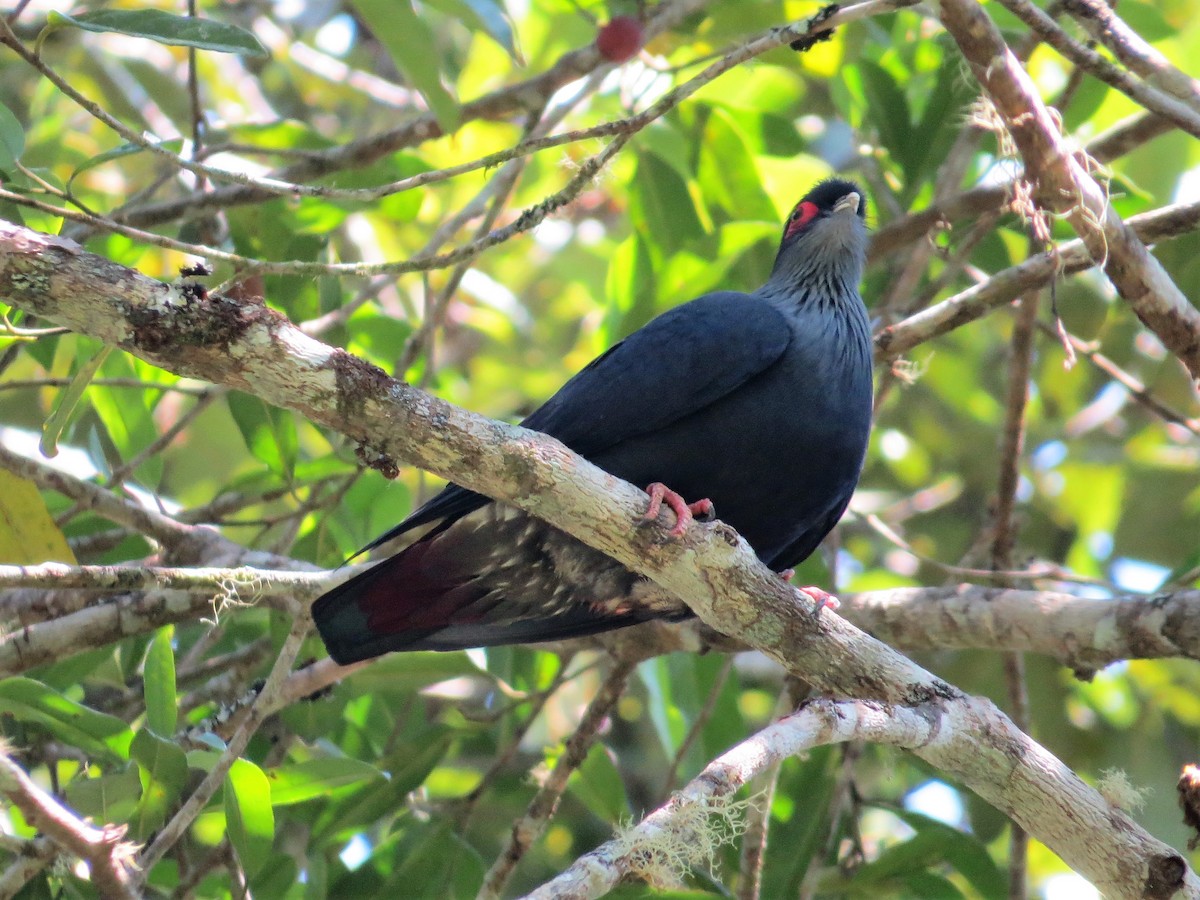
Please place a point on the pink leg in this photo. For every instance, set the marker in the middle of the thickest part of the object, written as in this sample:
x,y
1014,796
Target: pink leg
x,y
684,511
823,599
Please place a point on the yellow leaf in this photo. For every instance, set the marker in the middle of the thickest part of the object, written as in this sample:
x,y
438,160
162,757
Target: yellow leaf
x,y
27,532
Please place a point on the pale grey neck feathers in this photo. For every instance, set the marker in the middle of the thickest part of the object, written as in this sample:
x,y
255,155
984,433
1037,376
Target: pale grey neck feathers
x,y
823,265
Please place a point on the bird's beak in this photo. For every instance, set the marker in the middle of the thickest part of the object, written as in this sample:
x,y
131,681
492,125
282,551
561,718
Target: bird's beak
x,y
849,203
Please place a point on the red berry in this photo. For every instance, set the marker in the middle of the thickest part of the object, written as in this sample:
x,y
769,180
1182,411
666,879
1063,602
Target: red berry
x,y
620,39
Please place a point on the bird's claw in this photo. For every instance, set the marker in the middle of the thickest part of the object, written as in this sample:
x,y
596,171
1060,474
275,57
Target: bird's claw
x,y
684,512
823,599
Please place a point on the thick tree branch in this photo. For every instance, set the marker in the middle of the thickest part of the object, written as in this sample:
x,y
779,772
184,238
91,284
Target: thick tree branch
x,y
1082,633
1063,186
252,347
1009,284
943,731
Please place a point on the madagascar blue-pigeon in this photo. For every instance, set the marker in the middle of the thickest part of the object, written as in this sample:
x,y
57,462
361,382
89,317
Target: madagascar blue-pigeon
x,y
759,403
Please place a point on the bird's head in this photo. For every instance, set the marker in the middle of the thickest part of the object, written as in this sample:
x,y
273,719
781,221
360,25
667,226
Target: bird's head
x,y
825,236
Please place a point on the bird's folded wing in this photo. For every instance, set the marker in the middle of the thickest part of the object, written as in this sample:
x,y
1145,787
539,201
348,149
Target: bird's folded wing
x,y
687,358
679,363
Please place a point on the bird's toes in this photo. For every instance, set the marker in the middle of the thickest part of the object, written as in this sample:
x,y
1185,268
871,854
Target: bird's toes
x,y
703,510
684,512
823,599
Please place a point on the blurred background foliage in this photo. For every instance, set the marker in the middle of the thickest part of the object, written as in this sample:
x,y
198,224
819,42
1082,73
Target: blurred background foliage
x,y
368,791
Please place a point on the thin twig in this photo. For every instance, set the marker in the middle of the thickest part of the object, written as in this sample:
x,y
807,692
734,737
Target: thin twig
x,y
1149,98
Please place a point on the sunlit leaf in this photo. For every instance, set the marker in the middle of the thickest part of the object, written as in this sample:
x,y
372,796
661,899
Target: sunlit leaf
x,y
12,139
317,778
412,47
158,673
27,532
73,723
68,400
248,814
165,28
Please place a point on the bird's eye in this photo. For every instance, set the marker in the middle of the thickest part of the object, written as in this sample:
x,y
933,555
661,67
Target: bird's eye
x,y
804,213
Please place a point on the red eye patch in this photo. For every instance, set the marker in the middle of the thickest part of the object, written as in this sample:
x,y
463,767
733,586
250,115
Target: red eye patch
x,y
804,213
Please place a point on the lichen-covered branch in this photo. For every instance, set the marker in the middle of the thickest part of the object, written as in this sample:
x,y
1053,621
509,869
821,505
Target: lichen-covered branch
x,y
1063,186
952,732
1082,633
250,346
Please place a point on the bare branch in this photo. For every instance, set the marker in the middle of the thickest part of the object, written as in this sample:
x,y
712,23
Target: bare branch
x,y
1063,186
710,565
1182,114
1129,47
1008,285
108,855
951,732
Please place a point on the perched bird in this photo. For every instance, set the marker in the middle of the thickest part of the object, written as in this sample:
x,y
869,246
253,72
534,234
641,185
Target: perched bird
x,y
760,404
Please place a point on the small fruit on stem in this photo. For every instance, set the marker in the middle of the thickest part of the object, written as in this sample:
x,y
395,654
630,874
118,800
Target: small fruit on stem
x,y
620,39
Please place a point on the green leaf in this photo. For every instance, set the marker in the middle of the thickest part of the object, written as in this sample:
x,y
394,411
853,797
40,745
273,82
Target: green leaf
x,y
1147,20
668,723
934,843
631,289
248,814
401,674
888,110
163,769
269,433
964,851
158,683
489,16
728,175
165,28
435,862
664,208
73,723
317,778
174,145
410,771
599,785
413,48
68,401
12,139
109,798
128,416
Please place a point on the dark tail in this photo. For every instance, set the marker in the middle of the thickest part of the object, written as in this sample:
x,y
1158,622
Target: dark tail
x,y
401,605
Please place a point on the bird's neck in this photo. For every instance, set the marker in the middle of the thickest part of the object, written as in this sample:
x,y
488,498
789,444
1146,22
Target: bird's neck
x,y
800,286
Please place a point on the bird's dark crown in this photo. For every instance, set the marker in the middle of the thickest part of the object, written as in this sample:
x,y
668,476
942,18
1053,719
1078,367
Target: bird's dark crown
x,y
818,203
828,192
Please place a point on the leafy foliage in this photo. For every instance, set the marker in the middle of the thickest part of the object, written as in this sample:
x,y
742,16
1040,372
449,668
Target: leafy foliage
x,y
405,777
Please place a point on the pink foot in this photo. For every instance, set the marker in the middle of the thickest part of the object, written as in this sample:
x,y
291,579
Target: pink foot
x,y
786,574
684,511
823,599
